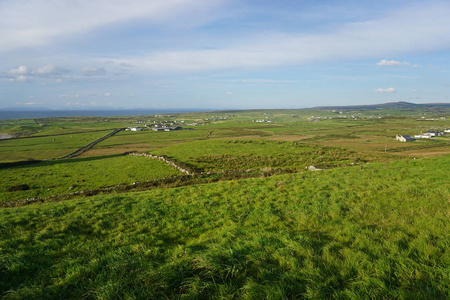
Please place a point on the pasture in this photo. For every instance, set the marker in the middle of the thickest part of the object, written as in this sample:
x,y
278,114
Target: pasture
x,y
372,224
379,231
49,178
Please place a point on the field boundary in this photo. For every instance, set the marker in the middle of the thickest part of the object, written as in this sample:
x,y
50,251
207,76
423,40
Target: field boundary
x,y
90,145
170,182
164,159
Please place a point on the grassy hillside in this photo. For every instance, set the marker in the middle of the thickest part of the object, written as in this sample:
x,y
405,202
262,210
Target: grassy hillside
x,y
378,231
70,175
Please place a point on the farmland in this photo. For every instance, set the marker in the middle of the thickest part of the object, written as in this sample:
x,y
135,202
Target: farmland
x,y
250,222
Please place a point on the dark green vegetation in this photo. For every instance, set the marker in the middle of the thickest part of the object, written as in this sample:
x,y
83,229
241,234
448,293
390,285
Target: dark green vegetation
x,y
220,155
341,233
374,224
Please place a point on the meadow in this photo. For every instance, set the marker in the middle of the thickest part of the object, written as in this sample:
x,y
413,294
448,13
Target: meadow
x,y
46,147
221,155
346,233
374,223
55,177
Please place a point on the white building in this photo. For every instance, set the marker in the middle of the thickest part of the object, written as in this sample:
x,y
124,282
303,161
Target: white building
x,y
404,138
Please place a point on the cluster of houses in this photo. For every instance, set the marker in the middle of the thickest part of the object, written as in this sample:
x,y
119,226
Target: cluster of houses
x,y
133,129
427,135
159,128
318,118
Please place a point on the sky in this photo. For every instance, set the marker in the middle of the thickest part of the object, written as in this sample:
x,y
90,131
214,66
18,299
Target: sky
x,y
222,54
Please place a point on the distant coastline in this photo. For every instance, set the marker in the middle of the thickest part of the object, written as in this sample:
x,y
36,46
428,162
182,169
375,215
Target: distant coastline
x,y
36,114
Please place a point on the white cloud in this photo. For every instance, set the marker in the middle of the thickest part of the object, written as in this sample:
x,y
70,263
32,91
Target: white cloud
x,y
24,73
386,90
392,63
22,70
46,70
228,93
20,78
108,94
29,23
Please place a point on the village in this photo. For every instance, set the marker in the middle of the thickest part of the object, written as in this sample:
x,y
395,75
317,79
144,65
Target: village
x,y
163,126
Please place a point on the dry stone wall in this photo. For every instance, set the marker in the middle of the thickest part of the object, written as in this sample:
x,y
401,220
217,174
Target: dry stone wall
x,y
167,161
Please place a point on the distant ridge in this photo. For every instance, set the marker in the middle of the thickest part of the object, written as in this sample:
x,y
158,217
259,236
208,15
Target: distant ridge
x,y
400,104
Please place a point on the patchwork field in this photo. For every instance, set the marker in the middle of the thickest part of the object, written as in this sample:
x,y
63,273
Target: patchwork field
x,y
250,221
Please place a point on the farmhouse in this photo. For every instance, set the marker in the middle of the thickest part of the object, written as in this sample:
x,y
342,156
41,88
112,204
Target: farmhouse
x,y
423,136
435,132
404,138
134,128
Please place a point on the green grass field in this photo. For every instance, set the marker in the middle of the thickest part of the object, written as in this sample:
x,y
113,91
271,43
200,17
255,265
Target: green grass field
x,y
220,155
46,147
374,224
70,175
380,231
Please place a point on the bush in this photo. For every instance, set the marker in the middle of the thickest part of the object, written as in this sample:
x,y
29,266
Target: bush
x,y
20,187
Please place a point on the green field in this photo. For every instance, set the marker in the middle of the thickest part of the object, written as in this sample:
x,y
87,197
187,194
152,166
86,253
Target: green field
x,y
70,175
341,233
46,147
220,155
374,223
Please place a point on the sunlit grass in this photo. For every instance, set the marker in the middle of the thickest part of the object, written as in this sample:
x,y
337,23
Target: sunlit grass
x,y
71,175
379,231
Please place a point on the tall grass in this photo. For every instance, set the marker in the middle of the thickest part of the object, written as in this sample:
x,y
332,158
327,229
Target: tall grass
x,y
219,155
378,231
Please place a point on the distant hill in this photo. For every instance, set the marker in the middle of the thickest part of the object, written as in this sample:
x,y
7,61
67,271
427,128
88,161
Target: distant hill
x,y
400,104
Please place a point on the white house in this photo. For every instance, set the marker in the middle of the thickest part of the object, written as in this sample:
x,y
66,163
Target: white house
x,y
424,136
135,128
436,132
404,138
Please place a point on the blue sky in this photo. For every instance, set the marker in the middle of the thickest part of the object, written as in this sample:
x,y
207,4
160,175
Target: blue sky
x,y
221,54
